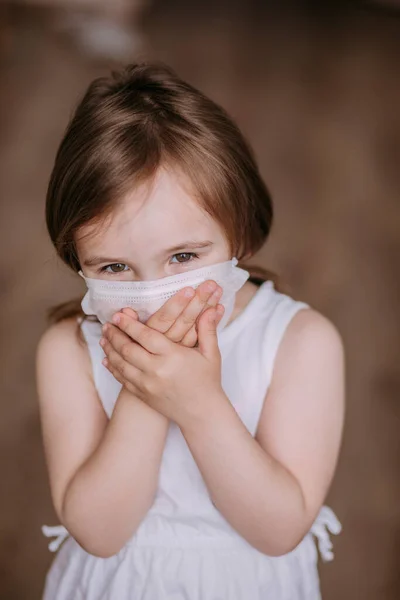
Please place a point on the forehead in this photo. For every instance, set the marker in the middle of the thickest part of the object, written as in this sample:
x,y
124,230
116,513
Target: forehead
x,y
156,214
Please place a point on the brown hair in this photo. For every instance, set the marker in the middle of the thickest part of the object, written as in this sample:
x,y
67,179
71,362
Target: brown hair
x,y
129,124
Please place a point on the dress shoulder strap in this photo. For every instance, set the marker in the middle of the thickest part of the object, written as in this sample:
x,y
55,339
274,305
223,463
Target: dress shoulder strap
x,y
106,385
283,309
271,315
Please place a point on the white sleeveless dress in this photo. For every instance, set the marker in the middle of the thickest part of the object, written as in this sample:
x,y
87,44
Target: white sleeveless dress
x,y
184,549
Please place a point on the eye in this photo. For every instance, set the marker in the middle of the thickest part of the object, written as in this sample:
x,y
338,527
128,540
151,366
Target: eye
x,y
184,257
118,268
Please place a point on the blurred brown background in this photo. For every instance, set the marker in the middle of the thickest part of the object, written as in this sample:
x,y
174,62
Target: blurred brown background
x,y
317,91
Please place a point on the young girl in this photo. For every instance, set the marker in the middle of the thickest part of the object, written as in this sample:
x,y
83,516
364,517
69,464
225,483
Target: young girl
x,y
192,424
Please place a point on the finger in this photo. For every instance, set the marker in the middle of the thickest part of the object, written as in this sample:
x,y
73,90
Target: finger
x,y
115,336
113,371
207,332
207,295
127,384
220,313
151,340
130,312
130,351
125,370
190,340
170,311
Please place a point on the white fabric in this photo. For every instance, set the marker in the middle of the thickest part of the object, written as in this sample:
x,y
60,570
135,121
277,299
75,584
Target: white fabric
x,y
184,549
106,297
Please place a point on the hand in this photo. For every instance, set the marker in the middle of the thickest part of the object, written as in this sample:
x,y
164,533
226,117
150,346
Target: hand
x,y
176,381
178,316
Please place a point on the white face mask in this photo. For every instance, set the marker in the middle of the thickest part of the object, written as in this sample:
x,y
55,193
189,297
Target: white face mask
x,y
105,297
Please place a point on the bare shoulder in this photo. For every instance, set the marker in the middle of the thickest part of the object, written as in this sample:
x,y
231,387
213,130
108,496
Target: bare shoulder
x,y
310,338
312,329
60,337
62,348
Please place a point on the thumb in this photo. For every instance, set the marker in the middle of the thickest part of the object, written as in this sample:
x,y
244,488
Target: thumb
x,y
207,333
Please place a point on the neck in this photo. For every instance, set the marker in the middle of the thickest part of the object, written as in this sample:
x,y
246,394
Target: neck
x,y
243,297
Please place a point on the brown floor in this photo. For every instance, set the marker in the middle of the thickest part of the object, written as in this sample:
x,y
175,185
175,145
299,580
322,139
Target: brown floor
x,y
319,99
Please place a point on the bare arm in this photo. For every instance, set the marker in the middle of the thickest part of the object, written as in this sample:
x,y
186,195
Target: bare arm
x,y
271,488
103,473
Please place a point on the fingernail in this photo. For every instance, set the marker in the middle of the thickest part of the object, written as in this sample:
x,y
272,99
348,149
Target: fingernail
x,y
211,285
104,362
116,319
102,342
218,293
189,293
220,310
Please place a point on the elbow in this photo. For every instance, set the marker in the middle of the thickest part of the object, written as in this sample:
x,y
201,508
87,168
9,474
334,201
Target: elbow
x,y
99,550
96,538
91,537
286,532
99,537
285,547
100,545
284,543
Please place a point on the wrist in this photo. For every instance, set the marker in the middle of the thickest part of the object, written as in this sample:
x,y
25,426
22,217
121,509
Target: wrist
x,y
125,396
211,408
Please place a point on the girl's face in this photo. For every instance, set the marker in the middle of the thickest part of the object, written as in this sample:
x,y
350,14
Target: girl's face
x,y
155,231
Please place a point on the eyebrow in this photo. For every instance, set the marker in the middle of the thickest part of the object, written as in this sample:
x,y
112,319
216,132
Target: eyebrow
x,y
189,245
